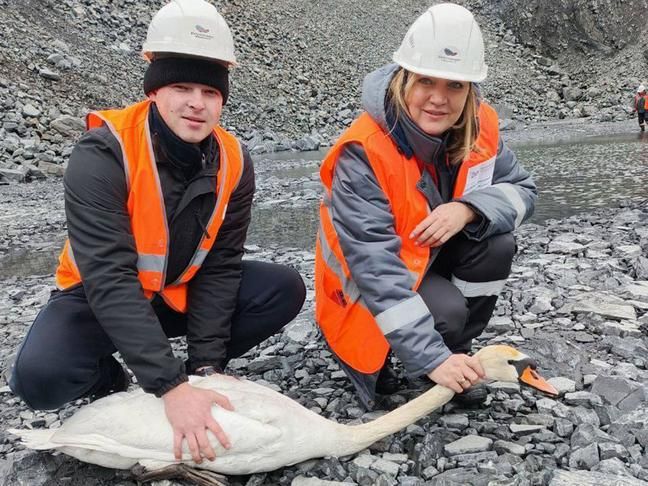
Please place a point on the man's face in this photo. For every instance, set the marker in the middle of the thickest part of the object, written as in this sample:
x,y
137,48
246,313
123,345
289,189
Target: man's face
x,y
191,110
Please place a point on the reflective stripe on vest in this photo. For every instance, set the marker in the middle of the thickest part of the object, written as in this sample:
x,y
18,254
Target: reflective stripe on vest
x,y
145,204
150,263
354,334
349,287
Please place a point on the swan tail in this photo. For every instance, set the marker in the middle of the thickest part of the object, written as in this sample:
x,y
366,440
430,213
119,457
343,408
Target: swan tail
x,y
39,439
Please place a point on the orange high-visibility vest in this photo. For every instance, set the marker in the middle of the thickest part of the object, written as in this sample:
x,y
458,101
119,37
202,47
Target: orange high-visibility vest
x,y
348,326
145,204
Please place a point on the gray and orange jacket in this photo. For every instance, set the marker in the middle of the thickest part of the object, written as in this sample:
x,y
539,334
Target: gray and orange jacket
x,y
141,234
367,269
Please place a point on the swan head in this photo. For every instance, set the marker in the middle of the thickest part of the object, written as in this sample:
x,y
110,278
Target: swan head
x,y
505,363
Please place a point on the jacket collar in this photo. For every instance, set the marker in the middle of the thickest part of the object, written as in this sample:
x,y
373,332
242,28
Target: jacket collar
x,y
187,160
411,140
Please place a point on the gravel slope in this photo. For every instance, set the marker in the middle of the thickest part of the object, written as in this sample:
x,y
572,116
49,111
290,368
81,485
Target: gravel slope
x,y
301,64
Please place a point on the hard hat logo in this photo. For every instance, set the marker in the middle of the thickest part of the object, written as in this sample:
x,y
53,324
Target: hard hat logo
x,y
203,33
449,55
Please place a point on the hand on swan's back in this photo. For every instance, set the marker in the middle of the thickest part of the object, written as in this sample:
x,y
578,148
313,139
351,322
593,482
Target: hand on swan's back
x,y
138,419
266,429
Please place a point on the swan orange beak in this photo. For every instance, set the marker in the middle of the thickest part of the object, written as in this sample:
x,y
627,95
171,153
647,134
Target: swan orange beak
x,y
532,378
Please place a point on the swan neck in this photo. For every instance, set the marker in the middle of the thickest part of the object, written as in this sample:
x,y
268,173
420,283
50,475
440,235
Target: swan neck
x,y
366,434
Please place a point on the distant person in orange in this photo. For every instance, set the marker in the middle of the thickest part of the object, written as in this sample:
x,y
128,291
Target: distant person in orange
x,y
640,106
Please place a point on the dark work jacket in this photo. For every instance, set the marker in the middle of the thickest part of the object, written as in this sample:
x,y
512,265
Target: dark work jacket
x,y
104,249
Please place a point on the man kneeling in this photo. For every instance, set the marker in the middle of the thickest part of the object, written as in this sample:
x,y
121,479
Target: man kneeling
x,y
158,199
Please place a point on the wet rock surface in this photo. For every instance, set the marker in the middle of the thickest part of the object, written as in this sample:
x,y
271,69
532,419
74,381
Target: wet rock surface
x,y
576,301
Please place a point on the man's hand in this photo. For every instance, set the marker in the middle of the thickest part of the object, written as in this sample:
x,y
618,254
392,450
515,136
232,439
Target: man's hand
x,y
442,224
458,372
189,411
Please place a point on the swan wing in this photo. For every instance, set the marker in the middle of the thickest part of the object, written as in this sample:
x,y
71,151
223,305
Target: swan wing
x,y
136,426
266,429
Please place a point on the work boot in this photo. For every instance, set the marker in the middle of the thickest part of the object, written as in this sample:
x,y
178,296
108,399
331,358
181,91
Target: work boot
x,y
115,379
472,397
388,382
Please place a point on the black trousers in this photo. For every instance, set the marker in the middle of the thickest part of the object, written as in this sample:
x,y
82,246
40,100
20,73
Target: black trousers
x,y
61,356
482,264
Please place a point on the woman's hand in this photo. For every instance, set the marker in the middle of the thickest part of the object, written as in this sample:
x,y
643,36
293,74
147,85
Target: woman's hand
x,y
442,224
189,412
459,372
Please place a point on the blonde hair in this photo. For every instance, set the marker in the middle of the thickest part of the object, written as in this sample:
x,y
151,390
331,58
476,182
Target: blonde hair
x,y
463,134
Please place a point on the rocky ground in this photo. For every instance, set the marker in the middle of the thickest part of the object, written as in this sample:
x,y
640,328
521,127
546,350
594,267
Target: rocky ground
x,y
576,301
577,298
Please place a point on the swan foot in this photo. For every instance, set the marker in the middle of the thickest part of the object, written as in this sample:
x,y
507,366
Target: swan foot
x,y
199,477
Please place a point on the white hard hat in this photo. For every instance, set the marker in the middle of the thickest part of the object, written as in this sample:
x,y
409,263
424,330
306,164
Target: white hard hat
x,y
444,42
641,88
190,27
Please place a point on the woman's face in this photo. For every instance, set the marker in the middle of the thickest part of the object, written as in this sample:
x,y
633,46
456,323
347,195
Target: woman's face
x,y
436,104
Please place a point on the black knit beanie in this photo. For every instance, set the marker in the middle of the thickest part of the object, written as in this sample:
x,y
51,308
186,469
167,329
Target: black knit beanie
x,y
169,70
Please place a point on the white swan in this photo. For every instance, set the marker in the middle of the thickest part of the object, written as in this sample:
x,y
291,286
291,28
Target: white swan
x,y
266,429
